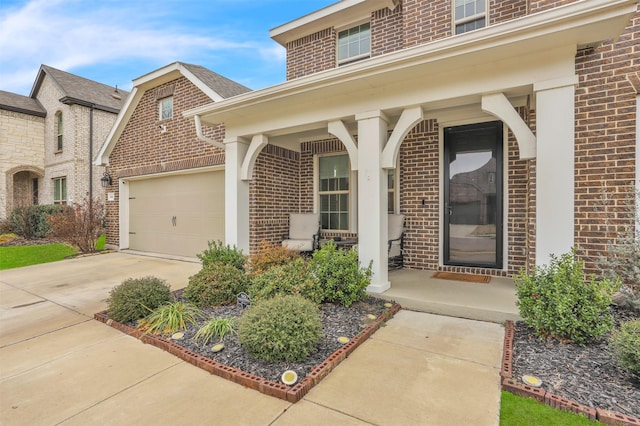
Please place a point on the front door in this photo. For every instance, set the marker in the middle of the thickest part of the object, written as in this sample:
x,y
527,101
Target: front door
x,y
473,195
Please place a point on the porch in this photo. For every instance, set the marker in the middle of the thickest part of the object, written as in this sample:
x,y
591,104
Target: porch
x,y
419,291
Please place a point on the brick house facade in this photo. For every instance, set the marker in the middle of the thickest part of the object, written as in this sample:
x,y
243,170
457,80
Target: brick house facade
x,y
145,148
559,77
35,155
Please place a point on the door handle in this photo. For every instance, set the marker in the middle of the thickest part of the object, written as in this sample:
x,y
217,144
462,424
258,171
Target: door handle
x,y
174,220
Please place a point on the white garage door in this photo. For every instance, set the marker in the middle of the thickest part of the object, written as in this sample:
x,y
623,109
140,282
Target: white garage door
x,y
176,214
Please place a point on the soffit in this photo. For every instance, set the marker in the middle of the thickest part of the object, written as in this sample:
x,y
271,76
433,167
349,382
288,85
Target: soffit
x,y
335,15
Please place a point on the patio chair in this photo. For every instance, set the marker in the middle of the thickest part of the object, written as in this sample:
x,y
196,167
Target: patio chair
x,y
304,232
396,240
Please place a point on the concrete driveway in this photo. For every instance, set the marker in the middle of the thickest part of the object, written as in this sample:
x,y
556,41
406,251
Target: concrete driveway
x,y
59,366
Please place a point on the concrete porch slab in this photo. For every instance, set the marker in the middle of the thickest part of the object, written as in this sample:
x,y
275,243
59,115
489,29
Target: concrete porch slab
x,y
419,291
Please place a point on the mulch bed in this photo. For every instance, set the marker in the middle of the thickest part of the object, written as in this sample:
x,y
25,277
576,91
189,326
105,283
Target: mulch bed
x,y
234,363
585,374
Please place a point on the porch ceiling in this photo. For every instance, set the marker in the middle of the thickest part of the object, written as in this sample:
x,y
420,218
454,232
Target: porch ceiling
x,y
507,58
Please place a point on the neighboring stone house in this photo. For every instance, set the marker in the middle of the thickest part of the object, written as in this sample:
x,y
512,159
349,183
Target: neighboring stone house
x,y
167,194
49,138
387,100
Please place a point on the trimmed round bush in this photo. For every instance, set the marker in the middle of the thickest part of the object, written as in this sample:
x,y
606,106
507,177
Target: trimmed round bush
x,y
283,328
557,301
625,343
289,278
216,284
339,273
269,256
218,253
135,298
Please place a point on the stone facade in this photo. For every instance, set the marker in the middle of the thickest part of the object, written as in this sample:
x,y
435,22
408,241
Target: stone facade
x,y
605,139
21,158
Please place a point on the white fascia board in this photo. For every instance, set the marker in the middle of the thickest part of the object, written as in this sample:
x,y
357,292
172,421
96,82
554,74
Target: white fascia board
x,y
579,23
102,159
335,15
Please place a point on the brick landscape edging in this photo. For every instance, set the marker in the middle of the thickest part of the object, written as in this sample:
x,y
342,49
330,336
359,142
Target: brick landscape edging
x,y
516,387
288,393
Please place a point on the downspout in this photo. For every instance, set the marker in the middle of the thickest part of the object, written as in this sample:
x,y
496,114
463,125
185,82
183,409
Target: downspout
x,y
91,155
202,137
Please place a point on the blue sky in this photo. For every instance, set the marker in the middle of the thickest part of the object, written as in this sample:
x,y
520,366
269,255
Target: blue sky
x,y
116,41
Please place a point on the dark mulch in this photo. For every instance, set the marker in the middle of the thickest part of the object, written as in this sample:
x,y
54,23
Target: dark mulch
x,y
336,319
19,241
585,374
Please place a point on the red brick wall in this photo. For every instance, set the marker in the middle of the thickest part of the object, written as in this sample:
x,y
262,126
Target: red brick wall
x,y
605,140
506,10
425,21
311,54
274,193
540,5
142,149
386,31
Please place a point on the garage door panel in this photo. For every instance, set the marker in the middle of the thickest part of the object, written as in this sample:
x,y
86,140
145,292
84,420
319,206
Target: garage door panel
x,y
196,201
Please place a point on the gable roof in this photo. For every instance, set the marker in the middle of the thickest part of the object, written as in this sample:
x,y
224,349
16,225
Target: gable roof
x,y
215,86
19,103
80,90
222,85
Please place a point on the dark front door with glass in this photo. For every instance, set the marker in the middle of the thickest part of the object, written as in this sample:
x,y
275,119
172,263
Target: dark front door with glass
x,y
473,199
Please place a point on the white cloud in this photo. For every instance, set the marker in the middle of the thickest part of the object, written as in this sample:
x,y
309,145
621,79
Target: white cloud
x,y
73,33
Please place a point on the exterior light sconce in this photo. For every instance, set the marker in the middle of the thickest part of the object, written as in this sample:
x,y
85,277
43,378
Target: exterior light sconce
x,y
105,180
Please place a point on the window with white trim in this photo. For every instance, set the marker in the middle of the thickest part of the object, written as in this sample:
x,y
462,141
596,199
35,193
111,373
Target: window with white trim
x,y
58,145
354,44
469,15
60,190
391,191
165,107
333,191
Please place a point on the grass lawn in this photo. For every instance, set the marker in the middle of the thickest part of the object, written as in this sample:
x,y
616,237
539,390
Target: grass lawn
x,y
18,256
518,411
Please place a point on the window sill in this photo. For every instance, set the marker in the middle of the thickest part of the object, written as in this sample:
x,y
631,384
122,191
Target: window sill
x,y
58,151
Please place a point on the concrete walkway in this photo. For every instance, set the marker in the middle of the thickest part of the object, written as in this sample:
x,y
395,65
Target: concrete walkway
x,y
59,366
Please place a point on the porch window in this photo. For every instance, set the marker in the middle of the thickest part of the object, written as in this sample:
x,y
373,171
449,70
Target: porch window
x,y
391,191
354,44
469,15
60,190
58,146
333,191
165,107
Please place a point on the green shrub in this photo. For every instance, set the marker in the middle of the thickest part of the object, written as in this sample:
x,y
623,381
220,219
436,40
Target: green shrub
x,y
101,242
169,318
219,253
559,302
626,346
135,297
33,221
284,328
289,278
216,284
269,256
216,327
339,274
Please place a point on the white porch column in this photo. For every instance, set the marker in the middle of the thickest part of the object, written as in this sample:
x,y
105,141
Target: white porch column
x,y
372,198
555,125
236,195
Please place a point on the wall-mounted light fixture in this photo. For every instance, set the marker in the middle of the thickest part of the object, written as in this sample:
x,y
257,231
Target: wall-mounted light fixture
x,y
105,180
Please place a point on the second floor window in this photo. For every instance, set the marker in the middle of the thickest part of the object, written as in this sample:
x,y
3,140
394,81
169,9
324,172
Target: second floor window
x,y
166,108
354,44
469,15
60,190
58,145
